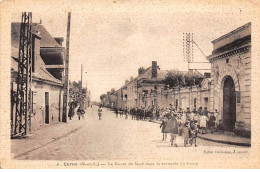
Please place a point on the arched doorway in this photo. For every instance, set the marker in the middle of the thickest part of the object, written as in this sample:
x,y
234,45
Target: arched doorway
x,y
229,103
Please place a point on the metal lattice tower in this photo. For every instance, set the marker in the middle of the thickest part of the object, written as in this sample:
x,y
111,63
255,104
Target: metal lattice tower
x,y
188,47
23,107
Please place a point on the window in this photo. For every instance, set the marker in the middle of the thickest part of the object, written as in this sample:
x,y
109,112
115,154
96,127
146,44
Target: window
x,y
176,104
206,100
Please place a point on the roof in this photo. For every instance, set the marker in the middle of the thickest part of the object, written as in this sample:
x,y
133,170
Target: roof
x,y
232,32
46,41
42,74
162,73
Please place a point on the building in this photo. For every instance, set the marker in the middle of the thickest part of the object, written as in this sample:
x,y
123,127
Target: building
x,y
47,76
135,91
231,78
149,89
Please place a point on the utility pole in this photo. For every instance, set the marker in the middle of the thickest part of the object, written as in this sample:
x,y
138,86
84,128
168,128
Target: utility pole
x,y
66,84
81,88
81,77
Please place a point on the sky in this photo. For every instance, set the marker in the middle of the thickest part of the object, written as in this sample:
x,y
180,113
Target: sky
x,y
113,44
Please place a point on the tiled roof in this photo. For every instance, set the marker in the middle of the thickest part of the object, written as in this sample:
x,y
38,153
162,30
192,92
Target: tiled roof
x,y
46,41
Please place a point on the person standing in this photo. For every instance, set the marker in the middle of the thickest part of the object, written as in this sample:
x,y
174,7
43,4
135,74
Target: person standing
x,y
217,116
162,126
203,123
126,113
172,128
212,120
185,133
206,112
99,112
116,111
70,111
79,113
157,113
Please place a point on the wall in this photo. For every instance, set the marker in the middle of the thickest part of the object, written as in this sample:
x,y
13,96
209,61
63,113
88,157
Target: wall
x,y
55,104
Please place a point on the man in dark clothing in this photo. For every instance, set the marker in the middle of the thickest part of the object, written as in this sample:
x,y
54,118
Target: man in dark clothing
x,y
200,111
116,111
206,112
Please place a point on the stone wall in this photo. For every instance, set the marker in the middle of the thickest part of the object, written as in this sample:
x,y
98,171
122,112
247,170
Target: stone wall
x,y
39,108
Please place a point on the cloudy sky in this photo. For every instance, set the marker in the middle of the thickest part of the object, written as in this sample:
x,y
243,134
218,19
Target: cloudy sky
x,y
113,42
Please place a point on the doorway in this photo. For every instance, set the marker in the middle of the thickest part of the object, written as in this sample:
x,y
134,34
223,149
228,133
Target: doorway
x,y
229,104
47,108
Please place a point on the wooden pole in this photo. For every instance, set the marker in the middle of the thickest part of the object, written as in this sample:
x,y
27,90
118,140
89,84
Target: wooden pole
x,y
66,84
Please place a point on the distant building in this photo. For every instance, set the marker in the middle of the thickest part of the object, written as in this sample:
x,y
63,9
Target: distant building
x,y
148,89
231,78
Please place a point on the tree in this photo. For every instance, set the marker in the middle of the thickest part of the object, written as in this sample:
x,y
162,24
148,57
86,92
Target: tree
x,y
176,78
102,96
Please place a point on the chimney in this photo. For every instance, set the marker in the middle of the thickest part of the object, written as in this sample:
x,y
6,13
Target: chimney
x,y
131,78
140,70
40,21
154,69
126,82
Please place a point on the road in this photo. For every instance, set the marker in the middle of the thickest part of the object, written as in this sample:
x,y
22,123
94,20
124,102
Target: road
x,y
114,138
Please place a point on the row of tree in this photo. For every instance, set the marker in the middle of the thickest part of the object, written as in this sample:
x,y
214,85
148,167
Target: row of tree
x,y
175,78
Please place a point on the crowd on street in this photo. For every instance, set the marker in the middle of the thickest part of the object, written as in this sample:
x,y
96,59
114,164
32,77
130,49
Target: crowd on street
x,y
186,123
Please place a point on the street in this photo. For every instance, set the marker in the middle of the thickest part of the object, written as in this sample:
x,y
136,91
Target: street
x,y
113,138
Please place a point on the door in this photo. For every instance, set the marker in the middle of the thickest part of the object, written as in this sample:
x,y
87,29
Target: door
x,y
47,108
60,106
229,104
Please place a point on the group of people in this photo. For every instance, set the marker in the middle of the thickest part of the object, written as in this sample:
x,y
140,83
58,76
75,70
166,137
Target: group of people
x,y
185,123
141,113
80,111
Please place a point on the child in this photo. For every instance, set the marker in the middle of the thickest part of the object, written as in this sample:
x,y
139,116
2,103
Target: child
x,y
79,112
163,125
193,132
185,133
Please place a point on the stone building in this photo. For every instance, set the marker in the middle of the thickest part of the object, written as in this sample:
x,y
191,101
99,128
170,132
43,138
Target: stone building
x,y
148,90
132,93
47,76
231,78
193,96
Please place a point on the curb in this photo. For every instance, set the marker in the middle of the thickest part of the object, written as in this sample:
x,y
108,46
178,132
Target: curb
x,y
219,141
226,142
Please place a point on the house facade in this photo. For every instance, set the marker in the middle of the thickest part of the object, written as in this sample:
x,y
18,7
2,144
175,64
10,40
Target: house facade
x,y
231,78
47,76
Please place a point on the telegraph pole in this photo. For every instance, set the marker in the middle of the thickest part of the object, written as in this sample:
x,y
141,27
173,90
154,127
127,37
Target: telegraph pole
x,y
66,84
81,86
